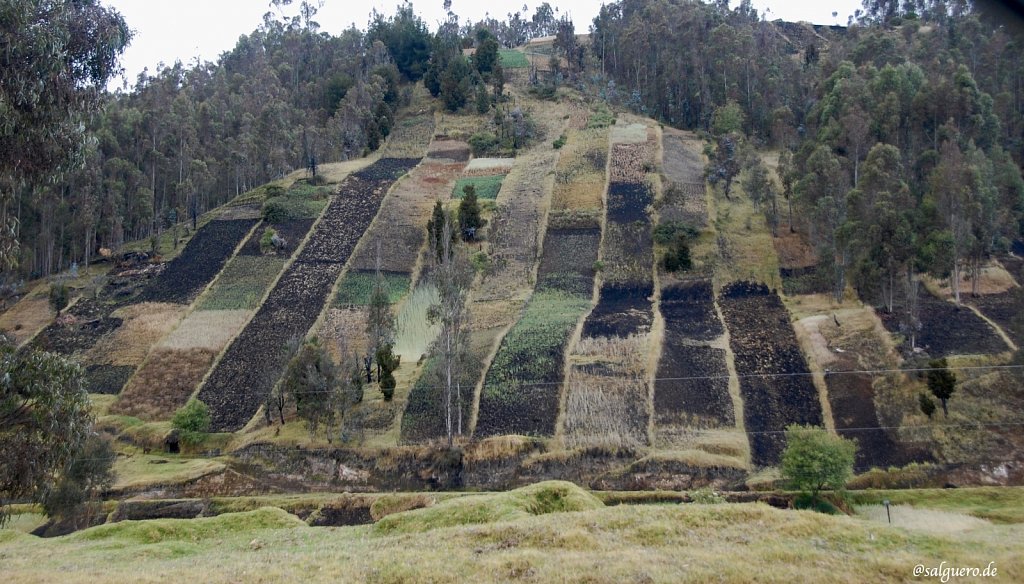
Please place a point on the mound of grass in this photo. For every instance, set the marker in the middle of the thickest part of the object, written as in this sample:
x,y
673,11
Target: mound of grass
x,y
997,504
512,59
487,187
538,499
242,283
167,530
142,470
356,288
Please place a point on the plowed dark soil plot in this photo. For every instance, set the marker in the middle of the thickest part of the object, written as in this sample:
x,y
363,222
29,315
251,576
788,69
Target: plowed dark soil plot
x,y
774,379
689,311
1006,310
106,379
255,360
186,276
947,329
568,260
852,399
627,202
623,310
83,325
293,233
692,388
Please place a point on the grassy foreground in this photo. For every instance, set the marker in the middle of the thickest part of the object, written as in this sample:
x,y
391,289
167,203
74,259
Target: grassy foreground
x,y
551,532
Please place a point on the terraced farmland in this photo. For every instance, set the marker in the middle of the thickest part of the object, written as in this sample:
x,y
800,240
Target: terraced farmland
x,y
253,362
692,386
607,392
947,329
775,381
189,273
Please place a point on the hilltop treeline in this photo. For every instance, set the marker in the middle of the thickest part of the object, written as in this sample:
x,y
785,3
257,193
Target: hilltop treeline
x,y
188,137
901,135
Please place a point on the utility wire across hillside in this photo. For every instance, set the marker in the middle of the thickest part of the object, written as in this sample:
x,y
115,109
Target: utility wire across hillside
x,y
827,373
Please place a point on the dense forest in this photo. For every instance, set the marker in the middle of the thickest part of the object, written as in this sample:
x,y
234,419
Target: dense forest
x,y
901,133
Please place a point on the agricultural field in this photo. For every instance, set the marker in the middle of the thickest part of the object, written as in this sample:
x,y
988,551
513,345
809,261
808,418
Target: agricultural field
x,y
489,166
163,383
189,273
775,382
412,135
447,151
607,401
607,393
423,419
29,316
487,187
567,263
356,287
521,391
512,59
242,283
142,326
947,329
685,197
846,342
239,382
400,229
691,390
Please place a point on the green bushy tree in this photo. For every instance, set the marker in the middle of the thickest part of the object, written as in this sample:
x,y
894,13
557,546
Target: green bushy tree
x,y
192,421
815,459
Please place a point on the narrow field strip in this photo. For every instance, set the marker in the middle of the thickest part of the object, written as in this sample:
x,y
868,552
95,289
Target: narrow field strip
x,y
250,367
775,381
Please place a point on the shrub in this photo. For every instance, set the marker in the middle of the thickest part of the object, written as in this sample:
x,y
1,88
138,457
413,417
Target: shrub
x,y
387,361
815,460
267,240
559,142
483,143
192,421
678,258
469,213
59,296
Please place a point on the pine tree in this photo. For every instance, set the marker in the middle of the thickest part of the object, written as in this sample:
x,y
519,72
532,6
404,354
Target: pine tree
x,y
941,382
469,214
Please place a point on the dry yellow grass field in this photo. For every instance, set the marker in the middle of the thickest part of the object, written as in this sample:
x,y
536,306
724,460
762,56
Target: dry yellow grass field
x,y
164,383
206,329
144,325
30,315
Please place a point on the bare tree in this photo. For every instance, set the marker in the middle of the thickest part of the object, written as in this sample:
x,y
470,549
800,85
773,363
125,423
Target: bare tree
x,y
452,275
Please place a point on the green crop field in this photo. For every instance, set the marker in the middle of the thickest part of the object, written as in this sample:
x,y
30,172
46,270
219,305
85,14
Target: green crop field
x,y
357,287
487,187
512,59
242,283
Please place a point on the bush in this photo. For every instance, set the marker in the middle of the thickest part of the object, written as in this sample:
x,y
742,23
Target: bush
x,y
815,460
483,143
59,296
678,258
557,144
267,240
192,421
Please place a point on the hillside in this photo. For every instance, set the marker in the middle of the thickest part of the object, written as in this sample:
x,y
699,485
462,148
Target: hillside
x,y
547,532
586,359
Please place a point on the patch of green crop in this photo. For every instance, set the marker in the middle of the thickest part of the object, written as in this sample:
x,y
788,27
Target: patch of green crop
x,y
413,331
487,187
242,283
512,59
357,287
532,350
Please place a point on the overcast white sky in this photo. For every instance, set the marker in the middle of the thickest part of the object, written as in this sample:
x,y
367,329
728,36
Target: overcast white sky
x,y
167,30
